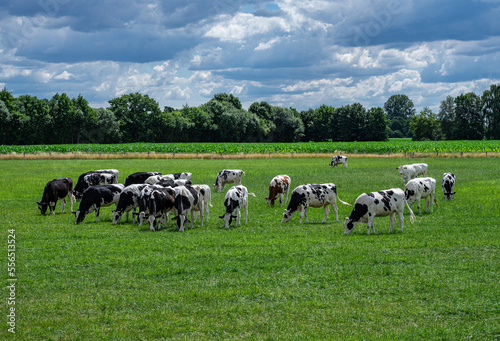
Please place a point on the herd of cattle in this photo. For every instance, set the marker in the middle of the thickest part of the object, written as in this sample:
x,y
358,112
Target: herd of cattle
x,y
156,195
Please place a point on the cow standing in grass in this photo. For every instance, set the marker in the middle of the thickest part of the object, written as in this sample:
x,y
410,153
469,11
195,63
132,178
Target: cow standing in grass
x,y
235,200
279,185
95,197
419,188
129,201
227,176
57,189
305,196
378,204
448,185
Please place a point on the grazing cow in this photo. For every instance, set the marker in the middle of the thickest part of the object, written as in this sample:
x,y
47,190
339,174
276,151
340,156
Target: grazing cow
x,y
205,202
88,179
227,176
139,178
155,179
129,200
161,201
279,184
409,172
54,190
144,201
236,199
378,204
186,198
419,188
337,160
173,183
96,196
314,196
448,184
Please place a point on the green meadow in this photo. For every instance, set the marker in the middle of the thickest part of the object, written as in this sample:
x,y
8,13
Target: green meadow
x,y
264,280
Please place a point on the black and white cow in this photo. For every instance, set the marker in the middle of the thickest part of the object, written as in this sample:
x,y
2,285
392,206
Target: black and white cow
x,y
235,200
204,202
337,160
161,201
96,197
139,178
93,178
448,185
305,196
173,183
155,179
419,188
129,201
378,204
54,190
186,198
144,201
227,176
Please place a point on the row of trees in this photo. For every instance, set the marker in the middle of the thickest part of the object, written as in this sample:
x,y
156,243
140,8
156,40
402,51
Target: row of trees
x,y
138,118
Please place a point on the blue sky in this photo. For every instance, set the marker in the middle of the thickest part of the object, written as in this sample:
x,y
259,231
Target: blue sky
x,y
291,53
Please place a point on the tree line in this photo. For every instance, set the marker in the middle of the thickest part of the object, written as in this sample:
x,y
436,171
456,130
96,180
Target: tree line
x,y
136,117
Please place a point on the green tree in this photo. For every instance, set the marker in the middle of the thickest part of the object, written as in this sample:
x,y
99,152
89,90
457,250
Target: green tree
x,y
37,122
399,110
446,117
469,118
491,111
106,129
137,114
377,128
289,126
425,126
5,119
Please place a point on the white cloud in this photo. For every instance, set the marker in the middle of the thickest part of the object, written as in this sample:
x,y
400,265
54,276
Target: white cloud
x,y
65,75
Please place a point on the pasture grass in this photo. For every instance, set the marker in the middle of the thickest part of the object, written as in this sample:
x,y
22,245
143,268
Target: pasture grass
x,y
436,280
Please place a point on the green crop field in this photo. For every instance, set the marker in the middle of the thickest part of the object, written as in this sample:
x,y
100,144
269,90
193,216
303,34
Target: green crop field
x,y
392,146
264,280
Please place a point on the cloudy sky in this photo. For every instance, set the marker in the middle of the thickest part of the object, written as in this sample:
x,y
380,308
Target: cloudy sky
x,y
291,53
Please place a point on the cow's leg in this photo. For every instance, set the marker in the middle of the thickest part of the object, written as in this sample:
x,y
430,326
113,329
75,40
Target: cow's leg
x,y
336,210
393,220
327,210
97,214
427,204
369,224
418,204
238,217
401,218
286,199
207,210
281,199
63,202
72,199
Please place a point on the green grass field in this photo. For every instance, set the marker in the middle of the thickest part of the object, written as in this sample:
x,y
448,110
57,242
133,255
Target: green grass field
x,y
436,280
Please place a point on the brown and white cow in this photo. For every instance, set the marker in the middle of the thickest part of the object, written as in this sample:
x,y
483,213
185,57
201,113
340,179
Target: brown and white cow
x,y
279,184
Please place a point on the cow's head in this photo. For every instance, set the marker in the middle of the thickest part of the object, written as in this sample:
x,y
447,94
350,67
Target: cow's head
x,y
117,216
349,225
270,201
79,216
42,206
228,219
287,215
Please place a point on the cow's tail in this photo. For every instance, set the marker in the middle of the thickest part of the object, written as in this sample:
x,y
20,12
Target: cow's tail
x,y
412,216
210,197
342,201
435,201
243,173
